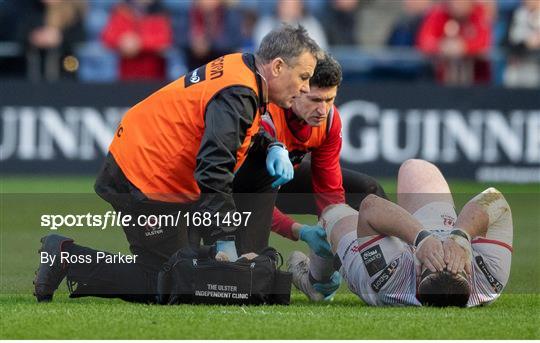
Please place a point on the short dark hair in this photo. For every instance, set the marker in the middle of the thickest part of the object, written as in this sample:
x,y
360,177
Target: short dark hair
x,y
442,289
287,42
327,72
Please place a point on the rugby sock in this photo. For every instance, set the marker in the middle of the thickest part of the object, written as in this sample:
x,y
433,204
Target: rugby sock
x,y
320,269
500,217
332,214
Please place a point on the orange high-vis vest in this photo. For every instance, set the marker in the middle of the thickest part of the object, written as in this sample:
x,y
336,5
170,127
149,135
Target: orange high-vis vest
x,y
157,140
283,134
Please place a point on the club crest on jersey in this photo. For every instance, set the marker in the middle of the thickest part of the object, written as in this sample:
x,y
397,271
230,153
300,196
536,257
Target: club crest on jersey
x,y
448,221
195,76
150,230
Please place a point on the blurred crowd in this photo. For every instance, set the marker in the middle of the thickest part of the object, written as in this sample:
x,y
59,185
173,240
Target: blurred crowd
x,y
455,42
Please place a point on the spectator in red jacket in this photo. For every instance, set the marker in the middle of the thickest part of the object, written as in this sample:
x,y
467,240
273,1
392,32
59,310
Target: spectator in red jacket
x,y
140,31
458,33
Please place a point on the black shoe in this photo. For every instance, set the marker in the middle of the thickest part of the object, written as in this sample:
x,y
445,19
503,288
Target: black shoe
x,y
49,277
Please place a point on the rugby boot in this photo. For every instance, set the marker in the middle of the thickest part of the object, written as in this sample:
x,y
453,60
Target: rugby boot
x,y
298,265
49,275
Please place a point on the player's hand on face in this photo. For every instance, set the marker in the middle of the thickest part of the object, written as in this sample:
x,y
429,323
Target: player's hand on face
x,y
431,254
456,258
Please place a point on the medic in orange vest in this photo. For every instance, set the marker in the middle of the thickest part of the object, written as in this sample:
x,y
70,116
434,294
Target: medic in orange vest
x,y
184,143
312,126
179,149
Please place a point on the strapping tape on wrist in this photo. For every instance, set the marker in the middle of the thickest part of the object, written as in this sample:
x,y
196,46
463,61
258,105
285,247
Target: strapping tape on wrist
x,y
463,239
420,238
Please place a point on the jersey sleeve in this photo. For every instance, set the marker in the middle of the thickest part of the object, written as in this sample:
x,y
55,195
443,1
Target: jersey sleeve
x,y
228,117
492,261
282,224
327,179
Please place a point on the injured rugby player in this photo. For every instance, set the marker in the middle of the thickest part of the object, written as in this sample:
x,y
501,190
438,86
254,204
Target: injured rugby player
x,y
419,251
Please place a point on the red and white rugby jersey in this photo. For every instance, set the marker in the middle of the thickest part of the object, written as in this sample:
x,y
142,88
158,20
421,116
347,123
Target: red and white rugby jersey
x,y
395,284
400,289
380,270
490,268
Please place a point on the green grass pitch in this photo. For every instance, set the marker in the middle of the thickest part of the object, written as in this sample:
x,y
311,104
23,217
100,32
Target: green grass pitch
x,y
515,315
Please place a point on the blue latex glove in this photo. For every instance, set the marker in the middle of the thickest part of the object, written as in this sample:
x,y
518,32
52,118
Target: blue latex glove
x,y
279,165
330,288
315,237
